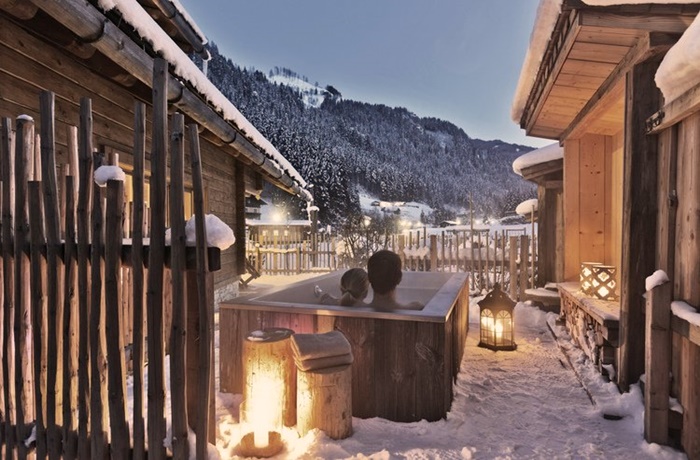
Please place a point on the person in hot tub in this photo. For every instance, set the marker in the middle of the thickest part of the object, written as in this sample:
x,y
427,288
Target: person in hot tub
x,y
354,286
384,272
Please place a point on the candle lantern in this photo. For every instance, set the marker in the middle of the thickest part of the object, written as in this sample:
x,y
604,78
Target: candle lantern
x,y
497,329
586,277
269,391
603,283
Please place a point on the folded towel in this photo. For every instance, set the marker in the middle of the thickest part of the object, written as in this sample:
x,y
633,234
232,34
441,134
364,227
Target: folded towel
x,y
312,346
322,363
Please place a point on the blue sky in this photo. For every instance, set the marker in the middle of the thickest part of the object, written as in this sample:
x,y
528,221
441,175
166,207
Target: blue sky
x,y
458,60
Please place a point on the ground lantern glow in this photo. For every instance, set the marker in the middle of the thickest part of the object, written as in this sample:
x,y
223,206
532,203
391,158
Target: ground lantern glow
x,y
266,361
497,328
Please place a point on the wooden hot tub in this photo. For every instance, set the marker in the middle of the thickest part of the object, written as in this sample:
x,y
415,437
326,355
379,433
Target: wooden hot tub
x,y
405,360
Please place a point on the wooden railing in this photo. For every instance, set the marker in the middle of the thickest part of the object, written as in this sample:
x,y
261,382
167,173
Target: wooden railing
x,y
489,256
73,295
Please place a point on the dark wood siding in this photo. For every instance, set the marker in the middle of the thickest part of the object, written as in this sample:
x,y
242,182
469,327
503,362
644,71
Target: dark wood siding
x,y
30,65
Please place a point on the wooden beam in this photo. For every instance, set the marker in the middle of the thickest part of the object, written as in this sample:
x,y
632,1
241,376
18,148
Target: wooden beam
x,y
553,184
556,63
612,90
19,8
675,111
675,24
639,215
534,172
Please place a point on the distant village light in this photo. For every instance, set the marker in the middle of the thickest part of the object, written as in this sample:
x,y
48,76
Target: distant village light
x,y
278,216
497,328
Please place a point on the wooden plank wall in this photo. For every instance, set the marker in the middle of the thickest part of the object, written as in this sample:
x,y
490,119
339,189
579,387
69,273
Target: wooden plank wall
x,y
391,379
686,354
592,201
687,268
29,65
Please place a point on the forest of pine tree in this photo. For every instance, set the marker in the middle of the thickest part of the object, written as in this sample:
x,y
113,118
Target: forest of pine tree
x,y
390,152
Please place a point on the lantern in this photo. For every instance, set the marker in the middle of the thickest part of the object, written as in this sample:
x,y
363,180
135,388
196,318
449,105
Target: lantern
x,y
603,282
586,277
496,319
269,391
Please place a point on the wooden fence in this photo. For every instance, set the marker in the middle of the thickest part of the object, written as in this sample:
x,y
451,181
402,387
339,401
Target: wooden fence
x,y
73,295
489,256
280,255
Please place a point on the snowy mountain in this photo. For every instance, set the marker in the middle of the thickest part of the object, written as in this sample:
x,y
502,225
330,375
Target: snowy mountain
x,y
311,93
341,146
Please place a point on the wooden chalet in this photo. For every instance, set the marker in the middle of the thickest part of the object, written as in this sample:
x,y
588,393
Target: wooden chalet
x,y
76,49
625,193
83,75
544,167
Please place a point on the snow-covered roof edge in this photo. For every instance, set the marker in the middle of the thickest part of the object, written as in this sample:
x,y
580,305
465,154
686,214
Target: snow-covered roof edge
x,y
133,13
526,207
679,71
545,20
186,16
547,14
632,2
535,157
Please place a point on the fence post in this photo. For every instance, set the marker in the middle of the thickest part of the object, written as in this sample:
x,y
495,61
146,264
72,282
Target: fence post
x,y
402,245
513,256
23,369
298,257
201,287
473,256
53,275
85,170
523,266
120,442
481,264
178,336
433,253
657,358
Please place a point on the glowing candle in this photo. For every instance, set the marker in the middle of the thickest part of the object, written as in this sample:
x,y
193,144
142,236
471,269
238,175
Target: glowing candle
x,y
260,437
499,330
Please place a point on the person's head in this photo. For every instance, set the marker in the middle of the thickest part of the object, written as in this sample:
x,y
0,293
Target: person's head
x,y
384,271
355,283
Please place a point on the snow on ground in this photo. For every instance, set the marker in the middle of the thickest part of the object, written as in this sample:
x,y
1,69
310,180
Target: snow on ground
x,y
525,404
408,211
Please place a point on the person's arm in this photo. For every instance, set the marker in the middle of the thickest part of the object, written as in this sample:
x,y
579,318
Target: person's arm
x,y
413,306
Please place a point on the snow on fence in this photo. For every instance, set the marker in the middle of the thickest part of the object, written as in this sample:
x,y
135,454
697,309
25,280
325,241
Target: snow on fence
x,y
490,255
73,296
285,255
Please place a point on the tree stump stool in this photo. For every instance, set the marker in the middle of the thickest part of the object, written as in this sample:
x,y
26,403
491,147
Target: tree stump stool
x,y
324,401
268,366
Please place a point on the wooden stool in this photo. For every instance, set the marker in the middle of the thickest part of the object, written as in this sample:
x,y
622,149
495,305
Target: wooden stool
x,y
324,401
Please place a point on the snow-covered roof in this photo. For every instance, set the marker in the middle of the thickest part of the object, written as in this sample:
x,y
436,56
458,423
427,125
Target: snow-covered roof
x,y
535,157
134,14
546,19
186,16
547,14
